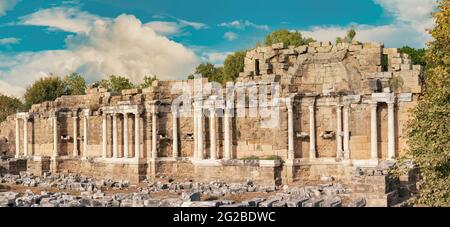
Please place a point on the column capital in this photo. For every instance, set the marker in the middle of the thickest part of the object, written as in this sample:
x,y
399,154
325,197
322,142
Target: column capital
x,y
154,108
86,112
373,104
289,103
390,103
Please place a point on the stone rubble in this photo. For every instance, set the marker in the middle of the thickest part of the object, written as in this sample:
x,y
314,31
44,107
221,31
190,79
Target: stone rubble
x,y
187,194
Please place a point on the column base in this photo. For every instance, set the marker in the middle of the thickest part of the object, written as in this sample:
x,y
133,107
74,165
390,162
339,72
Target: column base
x,y
347,162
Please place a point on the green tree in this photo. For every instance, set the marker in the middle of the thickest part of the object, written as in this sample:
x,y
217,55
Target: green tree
x,y
8,106
233,65
44,89
417,55
351,33
116,83
287,37
429,130
148,80
75,84
208,70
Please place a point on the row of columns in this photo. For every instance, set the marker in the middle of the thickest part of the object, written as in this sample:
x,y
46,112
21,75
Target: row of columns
x,y
312,129
374,130
115,148
199,119
342,131
86,114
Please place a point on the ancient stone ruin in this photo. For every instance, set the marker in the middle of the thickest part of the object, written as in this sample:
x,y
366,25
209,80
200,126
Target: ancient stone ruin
x,y
296,114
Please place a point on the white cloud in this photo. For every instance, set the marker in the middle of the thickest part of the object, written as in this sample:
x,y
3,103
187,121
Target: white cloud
x,y
123,46
9,41
230,36
216,58
195,25
243,24
164,27
176,27
6,5
62,18
411,18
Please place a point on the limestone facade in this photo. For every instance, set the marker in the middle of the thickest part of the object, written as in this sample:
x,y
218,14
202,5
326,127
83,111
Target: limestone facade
x,y
342,105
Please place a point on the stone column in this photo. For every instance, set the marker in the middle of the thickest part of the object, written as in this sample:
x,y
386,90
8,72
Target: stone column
x,y
55,136
25,137
85,133
338,132
227,137
200,130
212,131
115,148
104,133
175,134
373,131
346,133
17,138
125,135
194,114
154,132
391,131
291,153
137,136
312,132
75,135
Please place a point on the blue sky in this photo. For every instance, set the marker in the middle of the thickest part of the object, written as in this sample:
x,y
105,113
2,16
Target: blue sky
x,y
169,38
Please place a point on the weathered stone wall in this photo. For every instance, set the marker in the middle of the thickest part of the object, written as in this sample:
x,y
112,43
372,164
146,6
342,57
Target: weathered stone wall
x,y
318,76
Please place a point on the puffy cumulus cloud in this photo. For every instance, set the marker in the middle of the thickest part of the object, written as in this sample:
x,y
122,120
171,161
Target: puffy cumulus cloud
x,y
243,24
62,18
411,19
230,36
9,41
6,5
123,46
